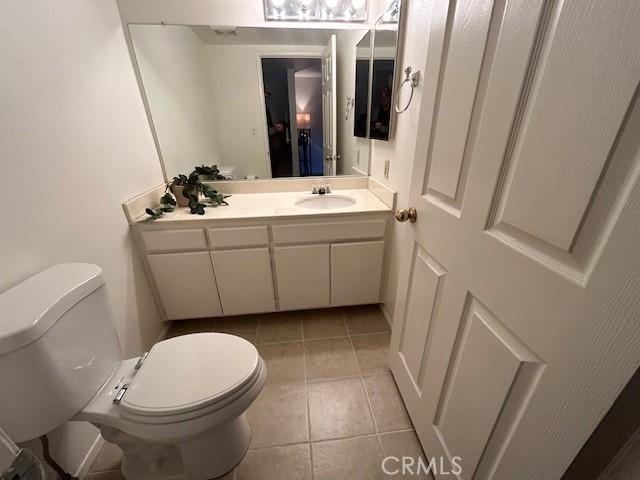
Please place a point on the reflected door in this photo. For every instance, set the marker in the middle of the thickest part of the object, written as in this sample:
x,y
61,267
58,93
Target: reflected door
x,y
517,318
329,114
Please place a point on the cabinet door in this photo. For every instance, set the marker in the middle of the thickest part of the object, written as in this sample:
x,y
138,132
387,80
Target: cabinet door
x,y
186,284
244,280
356,272
302,274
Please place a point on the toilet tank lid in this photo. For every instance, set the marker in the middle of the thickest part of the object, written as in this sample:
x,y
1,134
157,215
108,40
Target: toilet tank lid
x,y
30,308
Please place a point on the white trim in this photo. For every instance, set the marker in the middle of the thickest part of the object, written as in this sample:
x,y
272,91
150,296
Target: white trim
x,y
386,315
90,457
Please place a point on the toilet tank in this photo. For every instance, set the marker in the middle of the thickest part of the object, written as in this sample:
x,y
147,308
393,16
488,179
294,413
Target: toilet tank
x,y
58,346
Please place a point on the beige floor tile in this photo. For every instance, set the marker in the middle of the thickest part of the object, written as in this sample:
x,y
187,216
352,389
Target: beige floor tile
x,y
405,444
327,322
365,319
185,327
388,409
280,327
280,463
348,459
279,416
109,458
339,409
245,326
330,358
285,362
372,351
112,475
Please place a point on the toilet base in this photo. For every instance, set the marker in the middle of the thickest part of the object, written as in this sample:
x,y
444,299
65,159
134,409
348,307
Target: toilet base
x,y
202,458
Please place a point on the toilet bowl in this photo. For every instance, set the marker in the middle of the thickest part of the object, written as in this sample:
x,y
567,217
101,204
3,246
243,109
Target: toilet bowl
x,y
177,413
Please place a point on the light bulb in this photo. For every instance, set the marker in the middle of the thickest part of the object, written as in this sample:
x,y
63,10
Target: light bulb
x,y
357,4
331,4
277,4
305,4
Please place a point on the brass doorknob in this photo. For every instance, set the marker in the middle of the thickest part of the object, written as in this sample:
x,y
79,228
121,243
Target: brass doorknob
x,y
404,214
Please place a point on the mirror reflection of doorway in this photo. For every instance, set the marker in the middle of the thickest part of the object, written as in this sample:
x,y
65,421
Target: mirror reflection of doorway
x,y
293,106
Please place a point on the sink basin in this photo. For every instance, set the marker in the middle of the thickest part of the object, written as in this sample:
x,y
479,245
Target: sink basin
x,y
325,202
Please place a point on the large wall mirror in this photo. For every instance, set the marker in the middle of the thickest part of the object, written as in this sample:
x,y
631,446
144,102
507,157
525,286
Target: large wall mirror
x,y
258,102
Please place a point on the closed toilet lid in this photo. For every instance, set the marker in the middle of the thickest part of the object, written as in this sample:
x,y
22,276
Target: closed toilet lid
x,y
190,372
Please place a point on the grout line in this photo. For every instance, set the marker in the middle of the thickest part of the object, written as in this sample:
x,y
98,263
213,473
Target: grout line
x,y
366,393
306,396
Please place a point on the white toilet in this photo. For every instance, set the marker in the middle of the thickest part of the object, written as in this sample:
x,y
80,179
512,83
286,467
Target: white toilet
x,y
177,413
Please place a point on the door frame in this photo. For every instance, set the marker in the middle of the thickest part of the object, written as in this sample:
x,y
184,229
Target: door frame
x,y
263,109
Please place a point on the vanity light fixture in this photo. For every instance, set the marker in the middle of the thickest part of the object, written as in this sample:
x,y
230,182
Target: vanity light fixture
x,y
316,10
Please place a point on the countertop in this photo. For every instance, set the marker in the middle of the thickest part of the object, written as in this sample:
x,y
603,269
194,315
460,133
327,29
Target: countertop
x,y
271,205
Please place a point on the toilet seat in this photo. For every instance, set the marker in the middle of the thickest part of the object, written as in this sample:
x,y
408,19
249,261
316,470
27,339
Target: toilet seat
x,y
190,374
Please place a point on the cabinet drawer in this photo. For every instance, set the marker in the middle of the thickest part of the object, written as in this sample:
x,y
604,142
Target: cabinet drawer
x,y
238,237
328,232
176,240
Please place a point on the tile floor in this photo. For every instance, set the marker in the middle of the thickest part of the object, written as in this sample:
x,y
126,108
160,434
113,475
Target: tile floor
x,y
330,408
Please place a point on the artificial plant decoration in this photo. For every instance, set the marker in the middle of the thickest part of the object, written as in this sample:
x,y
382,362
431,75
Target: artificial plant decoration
x,y
166,205
209,173
188,189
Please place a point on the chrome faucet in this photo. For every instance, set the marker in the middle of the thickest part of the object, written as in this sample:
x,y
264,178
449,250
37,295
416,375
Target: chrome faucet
x,y
321,189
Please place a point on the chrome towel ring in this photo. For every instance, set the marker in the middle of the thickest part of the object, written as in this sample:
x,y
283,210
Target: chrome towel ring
x,y
412,79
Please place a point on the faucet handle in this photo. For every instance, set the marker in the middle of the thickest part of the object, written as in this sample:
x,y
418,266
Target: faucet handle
x,y
314,189
327,188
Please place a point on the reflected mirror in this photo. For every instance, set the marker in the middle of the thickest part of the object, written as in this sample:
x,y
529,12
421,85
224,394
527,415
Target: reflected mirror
x,y
385,55
361,105
257,102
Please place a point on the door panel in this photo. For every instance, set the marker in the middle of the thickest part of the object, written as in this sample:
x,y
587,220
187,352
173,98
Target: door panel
x,y
244,280
186,284
516,319
356,271
302,274
425,282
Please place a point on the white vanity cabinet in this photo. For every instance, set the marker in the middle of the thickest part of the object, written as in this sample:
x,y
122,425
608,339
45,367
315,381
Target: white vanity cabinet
x,y
209,268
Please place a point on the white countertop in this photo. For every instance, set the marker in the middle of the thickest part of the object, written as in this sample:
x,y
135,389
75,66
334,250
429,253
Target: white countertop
x,y
270,205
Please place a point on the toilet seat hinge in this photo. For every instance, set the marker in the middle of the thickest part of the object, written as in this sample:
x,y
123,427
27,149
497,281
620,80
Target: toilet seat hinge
x,y
118,398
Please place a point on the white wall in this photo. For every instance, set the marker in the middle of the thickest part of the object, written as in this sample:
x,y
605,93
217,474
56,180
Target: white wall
x,y
353,151
400,151
74,143
236,76
173,64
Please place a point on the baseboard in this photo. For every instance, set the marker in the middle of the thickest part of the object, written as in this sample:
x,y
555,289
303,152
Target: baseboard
x,y
89,458
386,315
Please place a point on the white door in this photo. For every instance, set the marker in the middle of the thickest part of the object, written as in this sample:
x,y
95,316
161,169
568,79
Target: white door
x,y
293,124
329,114
517,319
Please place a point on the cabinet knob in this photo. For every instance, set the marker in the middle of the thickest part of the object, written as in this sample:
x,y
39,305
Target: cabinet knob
x,y
404,214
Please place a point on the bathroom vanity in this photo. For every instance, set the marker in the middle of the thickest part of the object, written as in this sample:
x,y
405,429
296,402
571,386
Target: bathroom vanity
x,y
265,252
